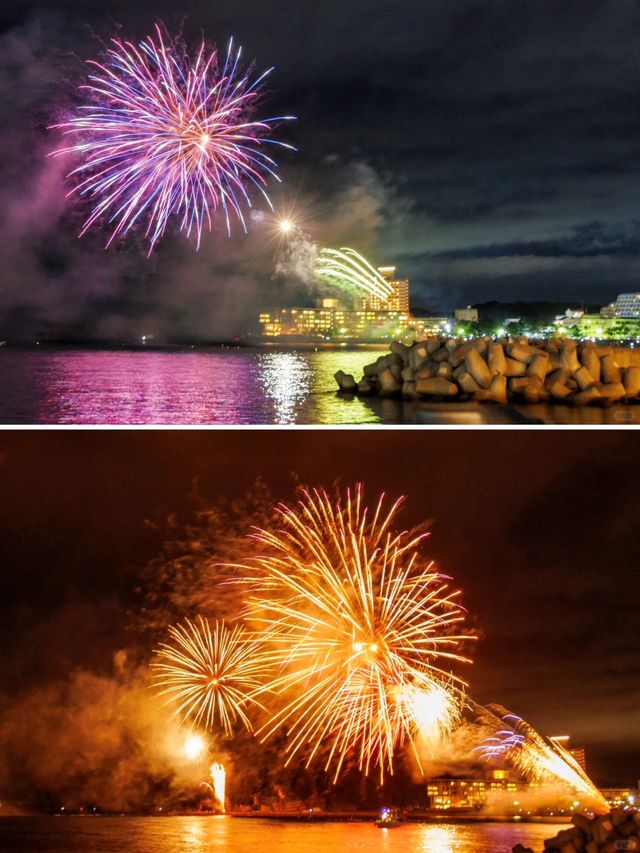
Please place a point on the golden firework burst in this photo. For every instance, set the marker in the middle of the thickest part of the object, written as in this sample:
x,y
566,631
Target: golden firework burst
x,y
362,631
211,675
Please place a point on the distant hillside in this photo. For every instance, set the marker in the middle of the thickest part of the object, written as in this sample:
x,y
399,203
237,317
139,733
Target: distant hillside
x,y
539,312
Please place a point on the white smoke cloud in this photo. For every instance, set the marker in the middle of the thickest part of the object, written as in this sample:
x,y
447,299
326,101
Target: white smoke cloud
x,y
298,259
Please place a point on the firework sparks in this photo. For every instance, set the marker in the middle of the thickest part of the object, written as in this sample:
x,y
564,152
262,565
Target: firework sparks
x,y
539,759
347,269
165,135
434,708
211,675
194,746
361,628
218,782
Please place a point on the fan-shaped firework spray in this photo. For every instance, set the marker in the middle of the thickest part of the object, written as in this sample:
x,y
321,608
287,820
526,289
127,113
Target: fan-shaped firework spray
x,y
165,135
539,759
348,269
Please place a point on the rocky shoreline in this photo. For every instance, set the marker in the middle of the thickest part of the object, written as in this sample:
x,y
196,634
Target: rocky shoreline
x,y
618,830
500,371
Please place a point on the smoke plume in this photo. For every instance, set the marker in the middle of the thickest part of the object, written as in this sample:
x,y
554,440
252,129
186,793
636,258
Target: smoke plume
x,y
95,740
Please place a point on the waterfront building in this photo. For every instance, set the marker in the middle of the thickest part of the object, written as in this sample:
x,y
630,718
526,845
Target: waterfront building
x,y
571,315
587,325
370,319
340,324
621,797
473,794
468,793
466,315
579,755
597,326
627,305
397,301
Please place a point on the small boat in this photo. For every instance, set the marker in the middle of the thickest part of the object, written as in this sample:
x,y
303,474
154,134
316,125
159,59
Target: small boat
x,y
389,818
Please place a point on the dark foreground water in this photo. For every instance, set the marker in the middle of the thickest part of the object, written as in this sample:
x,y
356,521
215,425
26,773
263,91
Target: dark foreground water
x,y
212,834
229,386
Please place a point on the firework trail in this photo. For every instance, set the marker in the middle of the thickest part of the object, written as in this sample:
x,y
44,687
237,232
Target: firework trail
x,y
165,135
347,269
218,782
362,632
212,675
539,759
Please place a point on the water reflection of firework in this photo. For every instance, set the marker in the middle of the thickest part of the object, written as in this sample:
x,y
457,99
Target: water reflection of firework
x,y
539,759
362,631
211,675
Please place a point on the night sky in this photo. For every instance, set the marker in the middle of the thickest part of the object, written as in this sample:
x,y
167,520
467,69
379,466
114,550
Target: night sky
x,y
490,149
540,530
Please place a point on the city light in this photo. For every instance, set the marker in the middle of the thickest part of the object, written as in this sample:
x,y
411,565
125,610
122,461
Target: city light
x,y
364,315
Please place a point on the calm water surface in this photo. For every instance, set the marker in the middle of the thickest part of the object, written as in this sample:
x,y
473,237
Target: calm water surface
x,y
211,834
228,386
217,386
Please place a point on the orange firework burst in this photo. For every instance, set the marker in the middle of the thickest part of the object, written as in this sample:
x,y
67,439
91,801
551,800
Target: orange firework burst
x,y
361,629
212,675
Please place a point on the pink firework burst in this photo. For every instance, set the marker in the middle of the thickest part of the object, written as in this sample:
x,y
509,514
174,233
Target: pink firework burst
x,y
164,135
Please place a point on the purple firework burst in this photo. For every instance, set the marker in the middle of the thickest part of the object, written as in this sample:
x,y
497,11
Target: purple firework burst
x,y
165,135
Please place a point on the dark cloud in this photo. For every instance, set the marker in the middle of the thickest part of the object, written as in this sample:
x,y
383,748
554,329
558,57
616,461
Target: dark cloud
x,y
573,643
587,241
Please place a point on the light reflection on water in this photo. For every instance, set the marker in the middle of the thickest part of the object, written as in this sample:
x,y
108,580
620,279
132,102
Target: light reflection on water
x,y
287,379
207,834
217,386
210,834
226,386
439,839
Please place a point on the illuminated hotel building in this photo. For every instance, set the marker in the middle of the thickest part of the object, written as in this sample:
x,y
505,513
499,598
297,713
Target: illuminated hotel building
x,y
579,755
627,305
577,752
397,301
370,319
451,793
621,797
473,794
